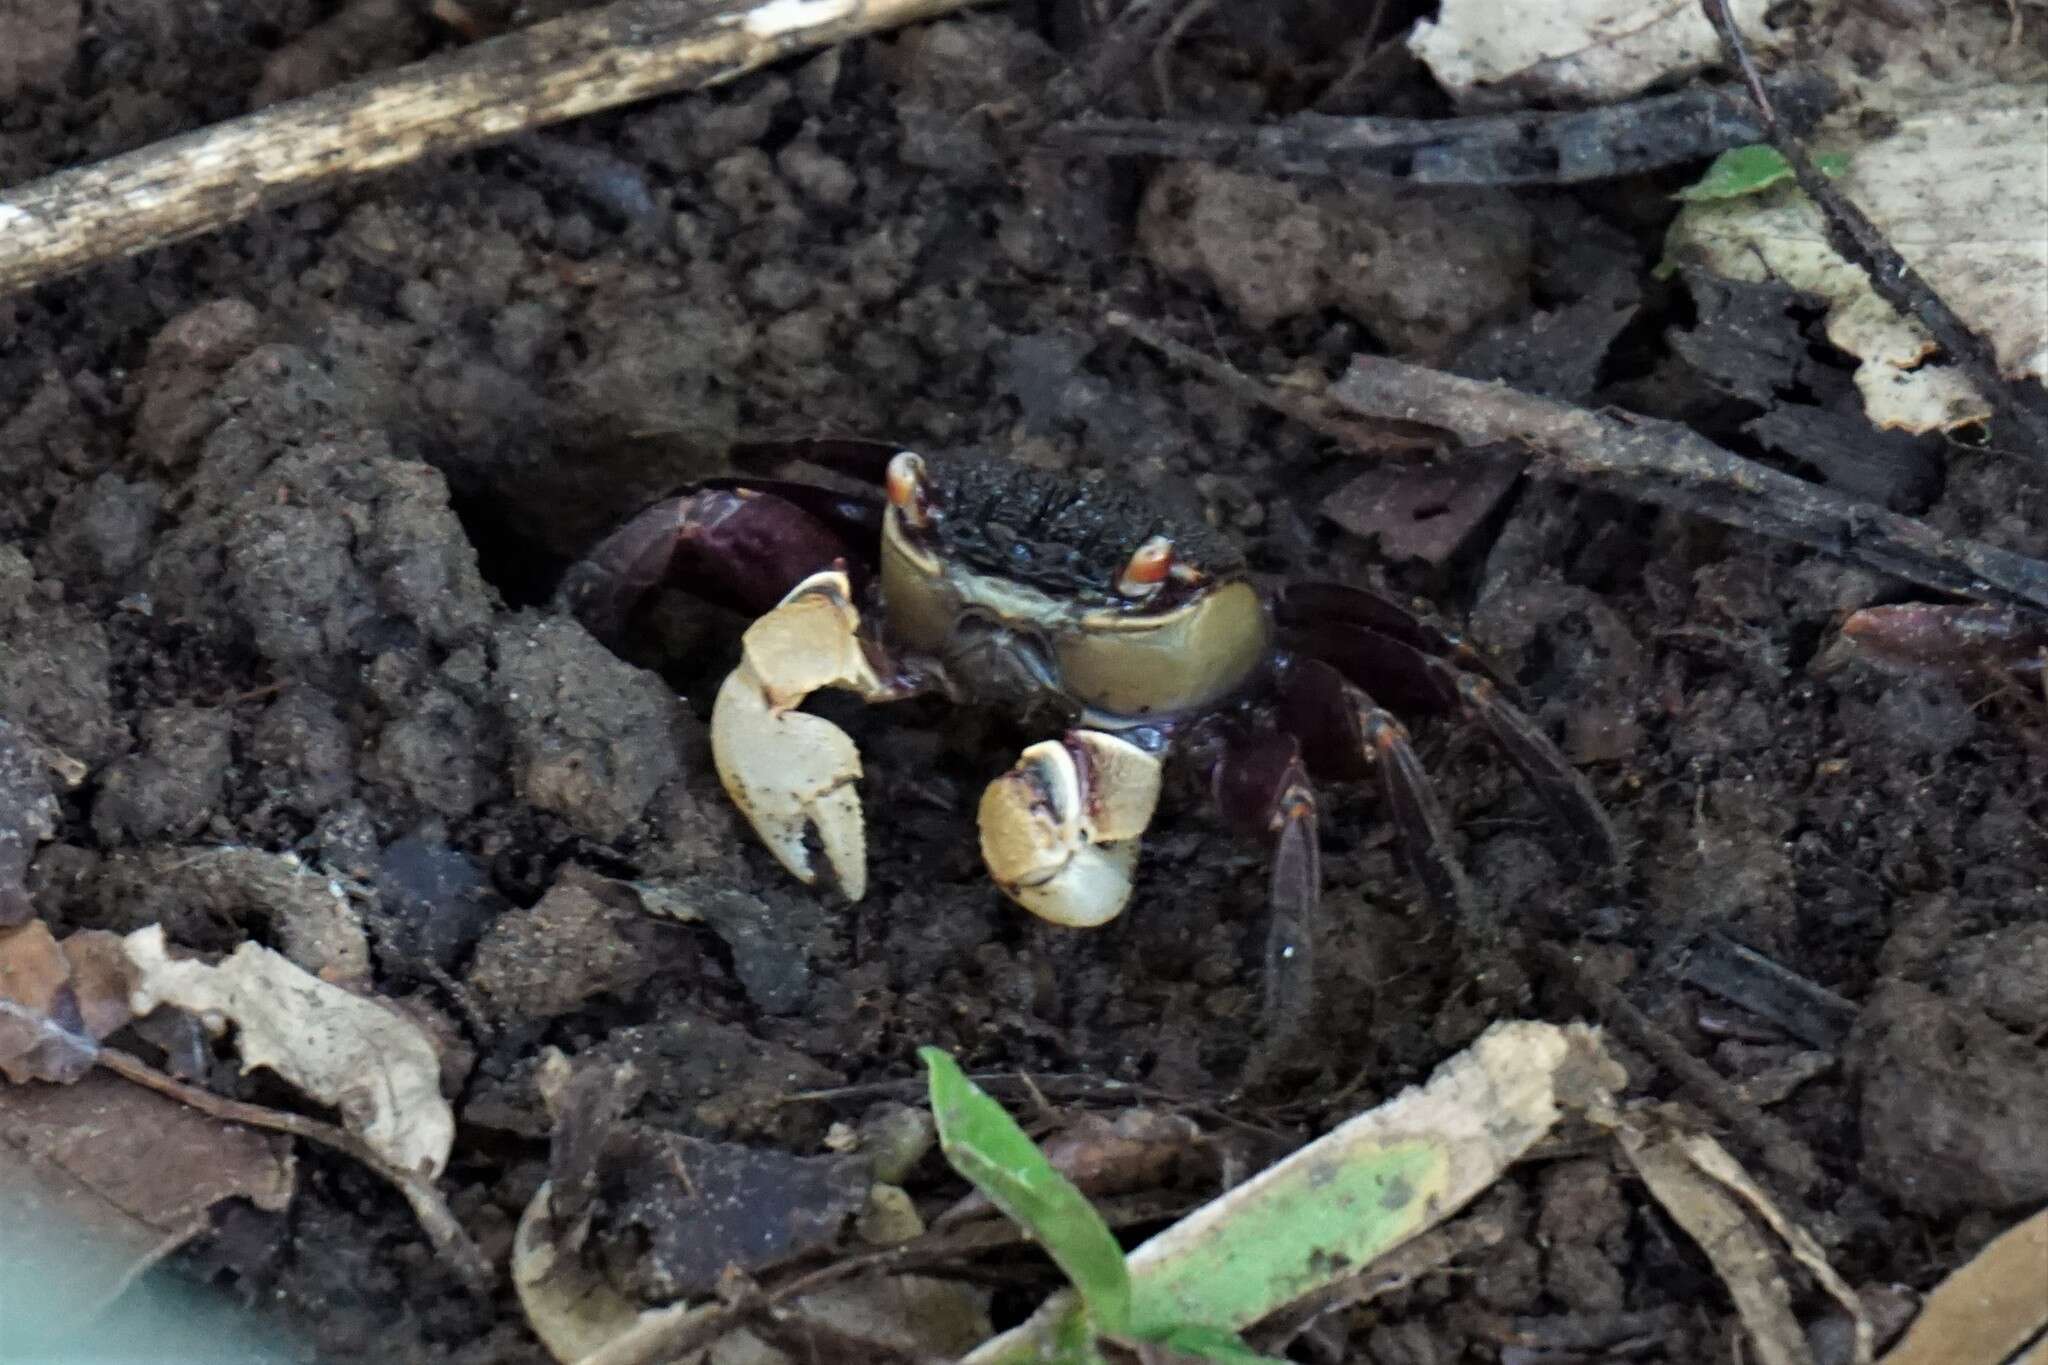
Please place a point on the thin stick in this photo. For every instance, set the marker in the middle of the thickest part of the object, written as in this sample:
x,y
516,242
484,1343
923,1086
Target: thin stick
x,y
1857,239
668,1333
562,69
1673,466
1525,147
1309,409
1780,1149
436,1220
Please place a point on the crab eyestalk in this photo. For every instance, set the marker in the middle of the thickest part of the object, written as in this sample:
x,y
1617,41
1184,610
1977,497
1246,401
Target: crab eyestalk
x,y
1060,830
1149,566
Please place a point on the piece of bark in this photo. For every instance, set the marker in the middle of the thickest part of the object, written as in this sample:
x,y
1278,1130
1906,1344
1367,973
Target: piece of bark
x,y
558,70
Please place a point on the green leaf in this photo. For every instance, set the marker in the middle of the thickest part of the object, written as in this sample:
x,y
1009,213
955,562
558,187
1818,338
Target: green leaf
x,y
1751,170
1211,1343
1074,1343
987,1147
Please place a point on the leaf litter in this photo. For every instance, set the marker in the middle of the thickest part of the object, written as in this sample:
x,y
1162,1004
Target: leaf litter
x,y
1959,185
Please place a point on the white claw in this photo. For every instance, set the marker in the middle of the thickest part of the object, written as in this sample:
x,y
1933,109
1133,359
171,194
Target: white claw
x,y
1060,830
792,774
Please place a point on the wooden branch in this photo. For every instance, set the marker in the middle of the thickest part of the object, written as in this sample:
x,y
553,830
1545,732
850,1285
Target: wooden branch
x,y
1673,466
562,69
1524,147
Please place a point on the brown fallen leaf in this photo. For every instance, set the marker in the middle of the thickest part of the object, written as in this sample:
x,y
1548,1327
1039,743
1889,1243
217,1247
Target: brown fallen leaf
x,y
57,1001
1984,1312
1422,512
104,1179
372,1064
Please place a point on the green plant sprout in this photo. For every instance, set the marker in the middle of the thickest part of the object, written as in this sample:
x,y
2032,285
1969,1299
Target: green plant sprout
x,y
985,1145
1752,170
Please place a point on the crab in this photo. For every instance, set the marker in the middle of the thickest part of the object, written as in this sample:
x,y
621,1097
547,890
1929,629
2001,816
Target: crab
x,y
1132,635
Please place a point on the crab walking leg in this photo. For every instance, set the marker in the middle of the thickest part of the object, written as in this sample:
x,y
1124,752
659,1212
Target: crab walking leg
x,y
1060,831
792,774
1261,786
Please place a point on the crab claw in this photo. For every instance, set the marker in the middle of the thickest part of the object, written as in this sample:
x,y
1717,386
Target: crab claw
x,y
1059,832
792,774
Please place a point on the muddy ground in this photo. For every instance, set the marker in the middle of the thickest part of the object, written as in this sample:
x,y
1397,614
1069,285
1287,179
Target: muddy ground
x,y
284,506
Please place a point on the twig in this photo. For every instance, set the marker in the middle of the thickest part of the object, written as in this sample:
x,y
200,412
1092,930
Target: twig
x,y
1309,409
436,1220
1671,465
1855,238
576,65
1008,1084
1780,1149
1811,1013
668,1333
1119,48
1162,65
1521,148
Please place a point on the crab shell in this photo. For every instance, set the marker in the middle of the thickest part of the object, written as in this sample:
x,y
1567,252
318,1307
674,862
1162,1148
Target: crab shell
x,y
1153,636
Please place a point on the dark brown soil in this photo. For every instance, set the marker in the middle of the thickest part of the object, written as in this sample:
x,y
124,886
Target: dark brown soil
x,y
283,508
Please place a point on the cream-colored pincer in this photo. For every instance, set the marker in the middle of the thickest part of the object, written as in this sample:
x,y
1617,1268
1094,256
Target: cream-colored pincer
x,y
1060,830
791,773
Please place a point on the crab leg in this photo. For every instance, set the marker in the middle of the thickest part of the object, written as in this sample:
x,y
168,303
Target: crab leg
x,y
1060,830
1415,667
792,774
1352,736
1262,788
736,546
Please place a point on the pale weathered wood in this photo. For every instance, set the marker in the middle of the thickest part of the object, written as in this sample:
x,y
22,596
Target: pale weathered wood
x,y
558,70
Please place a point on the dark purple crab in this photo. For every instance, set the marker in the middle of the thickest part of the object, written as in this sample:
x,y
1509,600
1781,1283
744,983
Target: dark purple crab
x,y
1138,633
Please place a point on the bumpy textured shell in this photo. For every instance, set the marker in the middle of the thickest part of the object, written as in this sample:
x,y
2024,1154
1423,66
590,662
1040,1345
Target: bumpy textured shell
x,y
1061,535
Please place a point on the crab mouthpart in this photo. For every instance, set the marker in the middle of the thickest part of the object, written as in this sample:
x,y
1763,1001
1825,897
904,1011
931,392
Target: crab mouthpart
x,y
792,774
1060,830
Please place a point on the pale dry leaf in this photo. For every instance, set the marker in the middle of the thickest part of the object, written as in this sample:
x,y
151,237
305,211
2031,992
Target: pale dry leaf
x,y
573,1310
376,1067
1586,51
1707,1193
1960,188
1987,1310
1713,1161
1740,1253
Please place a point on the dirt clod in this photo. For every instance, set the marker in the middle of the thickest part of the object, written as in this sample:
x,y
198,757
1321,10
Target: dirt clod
x,y
593,738
1953,1104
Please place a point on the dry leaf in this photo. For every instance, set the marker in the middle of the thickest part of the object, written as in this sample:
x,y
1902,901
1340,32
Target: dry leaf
x,y
1960,187
57,1001
1587,51
370,1063
112,1177
42,1037
1705,1191
1987,1310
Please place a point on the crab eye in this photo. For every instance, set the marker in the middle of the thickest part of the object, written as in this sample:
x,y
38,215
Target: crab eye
x,y
907,490
1148,567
